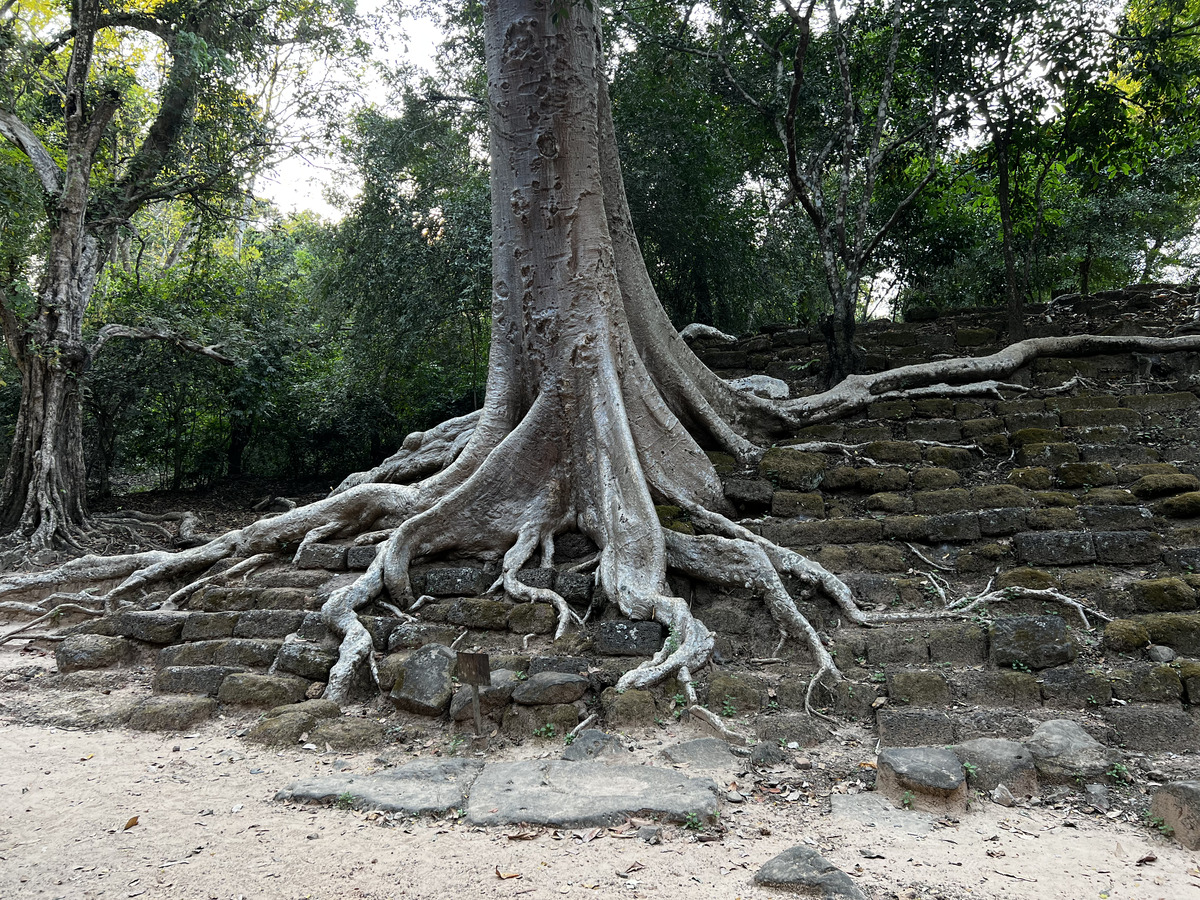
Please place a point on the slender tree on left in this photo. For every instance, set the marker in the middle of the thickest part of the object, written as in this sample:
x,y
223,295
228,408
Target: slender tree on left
x,y
103,144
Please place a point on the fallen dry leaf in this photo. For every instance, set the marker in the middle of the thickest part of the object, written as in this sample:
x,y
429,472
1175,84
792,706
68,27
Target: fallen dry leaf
x,y
506,875
130,823
1147,859
522,836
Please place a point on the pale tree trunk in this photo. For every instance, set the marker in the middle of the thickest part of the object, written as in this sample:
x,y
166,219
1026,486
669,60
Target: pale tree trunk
x,y
44,492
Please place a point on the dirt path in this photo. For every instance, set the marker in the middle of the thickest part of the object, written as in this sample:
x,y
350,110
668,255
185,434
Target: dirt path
x,y
207,827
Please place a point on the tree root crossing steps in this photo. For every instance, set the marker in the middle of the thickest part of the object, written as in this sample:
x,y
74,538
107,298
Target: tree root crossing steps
x,y
533,792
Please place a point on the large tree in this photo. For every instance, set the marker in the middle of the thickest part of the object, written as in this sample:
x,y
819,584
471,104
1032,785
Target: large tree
x,y
103,147
593,412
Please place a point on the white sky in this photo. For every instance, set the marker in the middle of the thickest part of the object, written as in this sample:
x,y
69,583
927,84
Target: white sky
x,y
299,183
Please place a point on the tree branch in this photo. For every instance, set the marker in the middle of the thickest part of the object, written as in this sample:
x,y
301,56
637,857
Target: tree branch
x,y
47,170
154,334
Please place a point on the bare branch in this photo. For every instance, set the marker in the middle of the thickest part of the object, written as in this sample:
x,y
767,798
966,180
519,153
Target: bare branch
x,y
47,170
153,334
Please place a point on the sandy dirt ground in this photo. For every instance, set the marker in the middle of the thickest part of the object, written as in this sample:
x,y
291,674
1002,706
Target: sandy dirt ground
x,y
116,814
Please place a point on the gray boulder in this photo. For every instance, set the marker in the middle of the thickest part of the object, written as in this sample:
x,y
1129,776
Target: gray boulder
x,y
91,651
625,637
925,778
172,712
1177,806
546,688
492,698
1063,751
591,743
805,871
253,689
995,761
702,753
1038,642
423,683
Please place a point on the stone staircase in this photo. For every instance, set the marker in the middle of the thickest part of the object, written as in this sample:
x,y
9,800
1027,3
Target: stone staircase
x,y
1091,491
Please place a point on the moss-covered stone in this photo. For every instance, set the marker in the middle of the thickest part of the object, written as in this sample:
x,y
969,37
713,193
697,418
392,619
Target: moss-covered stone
x,y
964,643
253,689
1055,518
1133,472
950,457
741,692
935,479
1181,506
1109,496
797,503
977,428
1163,595
1171,402
633,707
840,478
724,463
975,337
934,502
1033,478
999,496
1150,487
1081,401
1189,674
906,528
970,410
890,409
1085,474
1113,416
547,722
532,618
1179,631
482,615
172,712
893,451
829,432
1024,436
880,558
875,480
1125,635
888,502
934,408
918,687
1157,684
1056,498
1047,454
670,517
793,469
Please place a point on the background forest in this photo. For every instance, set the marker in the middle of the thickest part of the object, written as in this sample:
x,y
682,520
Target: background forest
x,y
816,164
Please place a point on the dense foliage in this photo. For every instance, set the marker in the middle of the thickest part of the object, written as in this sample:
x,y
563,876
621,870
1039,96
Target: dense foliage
x,y
980,153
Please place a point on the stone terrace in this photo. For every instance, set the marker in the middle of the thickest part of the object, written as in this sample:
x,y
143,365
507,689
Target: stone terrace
x,y
1087,483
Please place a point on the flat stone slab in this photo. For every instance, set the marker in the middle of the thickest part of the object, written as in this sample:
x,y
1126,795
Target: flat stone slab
x,y
702,753
585,794
417,788
875,809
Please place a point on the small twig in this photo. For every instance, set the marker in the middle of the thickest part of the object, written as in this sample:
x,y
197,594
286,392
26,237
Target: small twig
x,y
458,640
925,559
584,724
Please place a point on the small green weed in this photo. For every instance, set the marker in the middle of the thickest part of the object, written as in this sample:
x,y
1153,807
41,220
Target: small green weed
x,y
345,801
546,732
